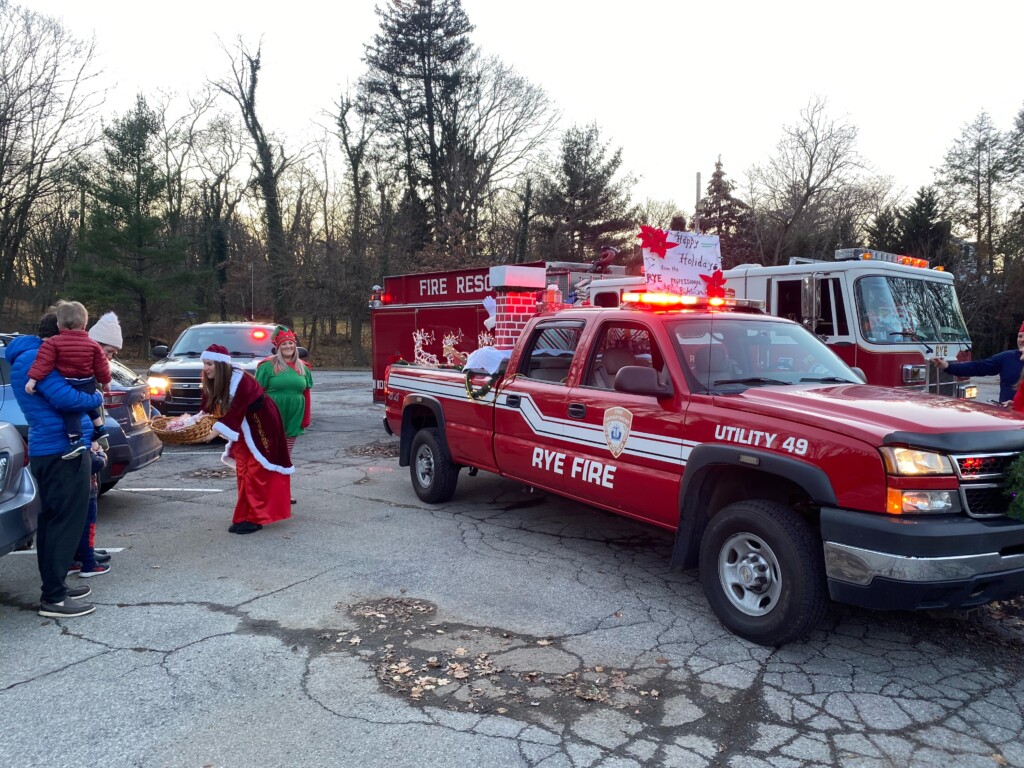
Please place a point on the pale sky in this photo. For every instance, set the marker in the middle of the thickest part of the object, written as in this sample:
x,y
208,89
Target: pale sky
x,y
675,84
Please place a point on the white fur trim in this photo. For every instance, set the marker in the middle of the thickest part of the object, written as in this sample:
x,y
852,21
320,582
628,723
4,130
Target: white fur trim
x,y
215,357
236,379
226,432
263,460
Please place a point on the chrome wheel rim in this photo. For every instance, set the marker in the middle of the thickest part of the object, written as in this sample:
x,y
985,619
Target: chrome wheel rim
x,y
424,466
750,574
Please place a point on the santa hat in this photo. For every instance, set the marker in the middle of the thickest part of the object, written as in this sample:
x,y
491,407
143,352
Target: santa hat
x,y
216,353
107,331
282,334
1021,328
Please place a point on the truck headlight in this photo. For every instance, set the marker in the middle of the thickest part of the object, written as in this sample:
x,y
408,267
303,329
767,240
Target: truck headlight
x,y
914,463
915,374
158,386
903,502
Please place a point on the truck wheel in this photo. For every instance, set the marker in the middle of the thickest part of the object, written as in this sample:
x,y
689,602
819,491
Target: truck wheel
x,y
433,474
763,572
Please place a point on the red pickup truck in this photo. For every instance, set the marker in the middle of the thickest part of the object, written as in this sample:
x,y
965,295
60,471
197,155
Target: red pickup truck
x,y
786,479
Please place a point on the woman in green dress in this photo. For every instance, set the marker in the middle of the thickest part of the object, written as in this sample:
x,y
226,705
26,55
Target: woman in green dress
x,y
287,380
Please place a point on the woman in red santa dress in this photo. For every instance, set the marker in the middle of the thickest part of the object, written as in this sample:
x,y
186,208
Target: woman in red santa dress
x,y
257,446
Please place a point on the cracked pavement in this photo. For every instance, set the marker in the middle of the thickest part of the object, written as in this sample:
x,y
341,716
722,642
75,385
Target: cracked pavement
x,y
505,628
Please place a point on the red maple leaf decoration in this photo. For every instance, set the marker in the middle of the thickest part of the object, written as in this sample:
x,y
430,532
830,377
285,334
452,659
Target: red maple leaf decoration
x,y
656,240
715,284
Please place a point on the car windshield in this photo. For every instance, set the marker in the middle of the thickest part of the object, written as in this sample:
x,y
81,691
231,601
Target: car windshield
x,y
898,310
240,341
726,354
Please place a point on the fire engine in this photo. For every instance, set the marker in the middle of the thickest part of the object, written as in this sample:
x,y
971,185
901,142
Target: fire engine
x,y
787,480
886,314
420,316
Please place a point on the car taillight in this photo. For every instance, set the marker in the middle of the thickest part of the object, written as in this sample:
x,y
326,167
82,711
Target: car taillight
x,y
114,399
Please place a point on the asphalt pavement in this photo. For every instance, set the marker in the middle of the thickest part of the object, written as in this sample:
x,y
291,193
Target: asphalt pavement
x,y
504,628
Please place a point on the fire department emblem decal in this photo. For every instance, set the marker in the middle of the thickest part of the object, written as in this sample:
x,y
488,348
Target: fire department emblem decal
x,y
617,422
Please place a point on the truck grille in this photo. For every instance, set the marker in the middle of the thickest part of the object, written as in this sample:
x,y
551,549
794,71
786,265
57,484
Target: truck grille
x,y
981,483
185,390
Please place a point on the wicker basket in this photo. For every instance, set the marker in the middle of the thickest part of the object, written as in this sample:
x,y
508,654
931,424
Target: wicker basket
x,y
197,433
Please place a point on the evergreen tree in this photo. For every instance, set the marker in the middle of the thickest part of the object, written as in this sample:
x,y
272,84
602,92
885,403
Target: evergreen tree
x,y
971,180
924,232
416,66
127,258
884,231
581,204
719,213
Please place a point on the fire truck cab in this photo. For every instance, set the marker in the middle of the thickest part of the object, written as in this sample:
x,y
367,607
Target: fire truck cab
x,y
885,314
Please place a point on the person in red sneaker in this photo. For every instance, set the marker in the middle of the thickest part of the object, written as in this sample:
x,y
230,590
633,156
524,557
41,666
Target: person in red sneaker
x,y
257,447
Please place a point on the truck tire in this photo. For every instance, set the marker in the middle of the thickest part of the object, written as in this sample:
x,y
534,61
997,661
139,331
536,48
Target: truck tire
x,y
763,572
433,474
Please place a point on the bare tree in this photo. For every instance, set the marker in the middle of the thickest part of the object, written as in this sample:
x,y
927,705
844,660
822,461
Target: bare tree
x,y
815,159
269,163
220,147
47,103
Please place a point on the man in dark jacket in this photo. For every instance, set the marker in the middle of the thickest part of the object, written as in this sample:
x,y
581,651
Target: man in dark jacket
x,y
1007,365
63,483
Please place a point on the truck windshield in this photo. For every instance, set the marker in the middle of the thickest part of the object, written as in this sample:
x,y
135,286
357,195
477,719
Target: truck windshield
x,y
897,310
241,341
730,354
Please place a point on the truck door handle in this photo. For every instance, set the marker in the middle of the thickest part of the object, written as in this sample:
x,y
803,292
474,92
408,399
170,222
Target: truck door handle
x,y
577,410
512,401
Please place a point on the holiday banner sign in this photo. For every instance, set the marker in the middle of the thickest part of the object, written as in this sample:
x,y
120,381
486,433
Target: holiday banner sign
x,y
675,261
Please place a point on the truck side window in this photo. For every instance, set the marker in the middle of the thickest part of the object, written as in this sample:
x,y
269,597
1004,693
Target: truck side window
x,y
550,353
620,345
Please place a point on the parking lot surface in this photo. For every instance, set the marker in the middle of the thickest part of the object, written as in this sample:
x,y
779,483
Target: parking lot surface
x,y
505,628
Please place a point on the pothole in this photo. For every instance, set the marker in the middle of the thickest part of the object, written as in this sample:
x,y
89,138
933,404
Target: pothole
x,y
487,670
381,449
215,473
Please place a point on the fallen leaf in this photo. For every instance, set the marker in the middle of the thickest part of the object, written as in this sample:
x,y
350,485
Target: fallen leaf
x,y
999,759
617,614
460,651
655,693
662,660
355,640
501,710
443,681
599,669
544,642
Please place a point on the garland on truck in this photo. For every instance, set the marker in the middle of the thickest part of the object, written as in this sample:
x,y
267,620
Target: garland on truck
x,y
476,394
1014,487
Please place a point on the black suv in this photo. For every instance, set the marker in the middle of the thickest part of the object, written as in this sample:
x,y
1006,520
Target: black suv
x,y
174,381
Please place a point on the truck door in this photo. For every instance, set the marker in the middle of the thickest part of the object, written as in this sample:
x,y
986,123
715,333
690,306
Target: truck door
x,y
529,416
626,449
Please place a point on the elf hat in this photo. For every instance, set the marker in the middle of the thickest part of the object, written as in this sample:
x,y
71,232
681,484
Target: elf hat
x,y
107,331
216,353
282,334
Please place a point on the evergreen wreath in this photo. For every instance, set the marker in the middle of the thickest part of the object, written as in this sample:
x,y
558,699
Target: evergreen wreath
x,y
1014,487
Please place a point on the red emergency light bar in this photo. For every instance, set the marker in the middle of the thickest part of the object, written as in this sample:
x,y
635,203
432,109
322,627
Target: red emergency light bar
x,y
653,300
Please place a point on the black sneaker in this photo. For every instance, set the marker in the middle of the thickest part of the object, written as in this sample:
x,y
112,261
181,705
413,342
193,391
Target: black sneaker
x,y
101,556
65,609
76,450
245,527
77,593
104,442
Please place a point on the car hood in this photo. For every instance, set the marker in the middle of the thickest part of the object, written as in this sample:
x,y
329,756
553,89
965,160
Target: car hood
x,y
172,365
885,416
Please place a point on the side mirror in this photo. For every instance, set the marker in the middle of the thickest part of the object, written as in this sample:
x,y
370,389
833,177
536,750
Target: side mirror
x,y
641,380
860,374
159,351
303,353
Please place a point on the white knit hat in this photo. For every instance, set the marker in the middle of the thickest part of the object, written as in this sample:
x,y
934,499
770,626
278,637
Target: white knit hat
x,y
107,331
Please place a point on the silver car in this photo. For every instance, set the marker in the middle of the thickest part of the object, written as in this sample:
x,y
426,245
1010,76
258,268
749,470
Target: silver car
x,y
19,497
